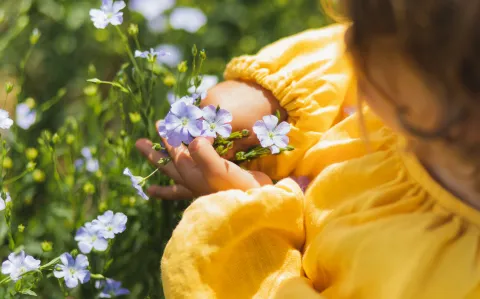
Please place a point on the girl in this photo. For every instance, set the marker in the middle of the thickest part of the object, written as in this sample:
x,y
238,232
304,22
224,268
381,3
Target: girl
x,y
395,217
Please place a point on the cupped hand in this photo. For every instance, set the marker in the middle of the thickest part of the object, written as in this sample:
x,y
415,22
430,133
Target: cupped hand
x,y
198,170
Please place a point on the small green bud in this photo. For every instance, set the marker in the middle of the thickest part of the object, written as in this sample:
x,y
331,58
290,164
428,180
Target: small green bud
x,y
240,156
31,153
124,201
203,55
132,201
102,207
157,147
245,133
133,29
70,139
74,253
169,80
31,166
69,180
72,122
194,50
47,246
92,71
182,67
8,87
7,163
89,188
47,135
55,138
30,102
164,161
123,133
35,36
99,174
21,228
38,176
134,117
220,149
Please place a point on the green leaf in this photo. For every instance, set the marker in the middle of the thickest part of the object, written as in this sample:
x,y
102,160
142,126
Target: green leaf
x,y
28,292
115,84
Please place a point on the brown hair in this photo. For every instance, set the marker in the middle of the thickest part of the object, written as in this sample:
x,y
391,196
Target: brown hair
x,y
442,39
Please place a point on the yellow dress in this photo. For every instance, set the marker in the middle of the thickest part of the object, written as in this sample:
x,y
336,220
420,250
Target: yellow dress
x,y
371,225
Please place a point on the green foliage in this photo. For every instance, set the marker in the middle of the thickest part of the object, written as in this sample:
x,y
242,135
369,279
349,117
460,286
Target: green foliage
x,y
48,50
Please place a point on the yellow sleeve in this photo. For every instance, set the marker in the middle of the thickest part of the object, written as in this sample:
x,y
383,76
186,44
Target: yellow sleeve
x,y
236,244
311,77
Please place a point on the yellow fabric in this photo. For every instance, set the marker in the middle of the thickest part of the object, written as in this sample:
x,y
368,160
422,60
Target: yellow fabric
x,y
309,74
372,225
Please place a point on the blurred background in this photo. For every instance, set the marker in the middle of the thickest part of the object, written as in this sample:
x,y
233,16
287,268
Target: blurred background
x,y
70,50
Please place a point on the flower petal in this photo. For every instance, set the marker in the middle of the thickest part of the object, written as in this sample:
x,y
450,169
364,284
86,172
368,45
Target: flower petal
x,y
224,130
59,273
100,244
81,262
281,141
274,149
71,282
195,127
117,19
178,108
270,121
223,117
31,263
85,247
259,128
193,112
83,276
118,6
266,142
209,113
283,128
7,267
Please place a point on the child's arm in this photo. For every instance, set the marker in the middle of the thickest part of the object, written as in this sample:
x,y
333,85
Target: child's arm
x,y
310,77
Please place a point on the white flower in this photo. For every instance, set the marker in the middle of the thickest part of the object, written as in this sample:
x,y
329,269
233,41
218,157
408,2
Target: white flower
x,y
25,117
208,81
109,13
151,8
109,224
3,202
19,264
175,55
5,121
272,134
72,270
187,18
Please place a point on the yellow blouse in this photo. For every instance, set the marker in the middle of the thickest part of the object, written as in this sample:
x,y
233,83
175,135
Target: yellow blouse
x,y
371,225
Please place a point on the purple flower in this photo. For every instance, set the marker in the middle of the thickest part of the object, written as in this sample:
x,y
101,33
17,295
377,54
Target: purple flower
x,y
111,288
19,264
271,135
302,181
110,224
208,81
3,202
182,124
151,8
136,183
25,117
5,121
189,100
109,13
187,18
91,164
72,270
88,238
216,122
150,55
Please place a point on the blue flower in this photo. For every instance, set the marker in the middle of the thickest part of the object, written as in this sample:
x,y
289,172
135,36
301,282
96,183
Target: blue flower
x,y
3,202
150,55
216,122
110,224
111,288
19,264
72,270
182,124
151,9
25,117
109,13
187,18
271,135
88,238
174,56
136,181
208,81
91,164
5,121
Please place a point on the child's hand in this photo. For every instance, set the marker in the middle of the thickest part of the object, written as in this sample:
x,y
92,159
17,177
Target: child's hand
x,y
248,102
198,170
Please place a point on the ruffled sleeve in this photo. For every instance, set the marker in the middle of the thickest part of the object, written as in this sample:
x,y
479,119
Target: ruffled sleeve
x,y
311,77
236,244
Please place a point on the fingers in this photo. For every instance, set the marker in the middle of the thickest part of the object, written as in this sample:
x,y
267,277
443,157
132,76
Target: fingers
x,y
220,173
175,192
144,146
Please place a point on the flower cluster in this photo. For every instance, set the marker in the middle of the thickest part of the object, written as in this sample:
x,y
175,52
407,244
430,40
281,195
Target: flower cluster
x,y
95,234
91,164
18,264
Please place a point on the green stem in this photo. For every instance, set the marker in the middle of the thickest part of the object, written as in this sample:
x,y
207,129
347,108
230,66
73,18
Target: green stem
x,y
129,51
16,178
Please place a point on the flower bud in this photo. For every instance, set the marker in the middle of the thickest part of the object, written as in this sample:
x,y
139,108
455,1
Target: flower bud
x,y
169,80
69,180
30,102
134,117
203,55
99,174
102,207
38,176
194,50
92,71
35,36
47,135
55,138
182,67
245,133
7,163
133,30
21,228
90,90
132,201
31,166
74,253
31,153
89,188
47,246
123,133
8,87
69,139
